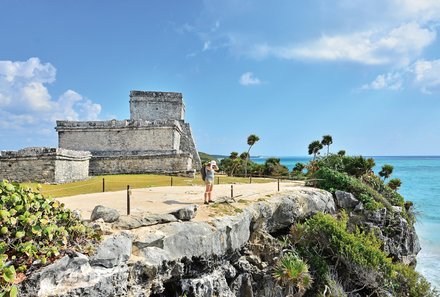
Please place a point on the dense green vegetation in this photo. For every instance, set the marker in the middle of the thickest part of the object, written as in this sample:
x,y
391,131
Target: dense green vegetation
x,y
35,230
235,165
356,257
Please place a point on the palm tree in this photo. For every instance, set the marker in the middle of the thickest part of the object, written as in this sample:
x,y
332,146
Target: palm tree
x,y
233,155
341,153
314,148
235,162
386,171
327,140
251,140
395,183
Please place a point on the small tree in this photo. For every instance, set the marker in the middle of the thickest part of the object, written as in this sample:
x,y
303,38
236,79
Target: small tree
x,y
235,162
244,156
341,153
233,155
386,171
395,183
251,140
314,148
327,140
299,167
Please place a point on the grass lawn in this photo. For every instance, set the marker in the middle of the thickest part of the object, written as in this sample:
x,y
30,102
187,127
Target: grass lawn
x,y
120,182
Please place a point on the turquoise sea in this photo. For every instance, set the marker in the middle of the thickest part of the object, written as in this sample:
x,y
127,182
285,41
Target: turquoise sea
x,y
420,178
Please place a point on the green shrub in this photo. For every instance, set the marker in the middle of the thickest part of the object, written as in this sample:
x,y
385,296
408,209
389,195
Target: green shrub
x,y
34,231
354,166
332,180
291,270
388,193
326,238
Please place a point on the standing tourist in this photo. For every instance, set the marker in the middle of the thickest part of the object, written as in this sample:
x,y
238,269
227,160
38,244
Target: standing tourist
x,y
209,180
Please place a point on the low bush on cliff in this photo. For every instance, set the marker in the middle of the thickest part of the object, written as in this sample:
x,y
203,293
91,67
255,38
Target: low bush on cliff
x,y
356,258
355,175
331,180
35,230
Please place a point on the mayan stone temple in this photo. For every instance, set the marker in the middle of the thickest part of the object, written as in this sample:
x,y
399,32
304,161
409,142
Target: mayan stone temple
x,y
156,139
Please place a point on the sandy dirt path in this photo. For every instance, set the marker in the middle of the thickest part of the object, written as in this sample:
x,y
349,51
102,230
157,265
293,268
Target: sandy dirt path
x,y
167,199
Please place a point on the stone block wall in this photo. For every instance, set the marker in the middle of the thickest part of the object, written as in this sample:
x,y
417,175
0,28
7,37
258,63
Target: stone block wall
x,y
107,136
44,165
153,106
187,144
142,162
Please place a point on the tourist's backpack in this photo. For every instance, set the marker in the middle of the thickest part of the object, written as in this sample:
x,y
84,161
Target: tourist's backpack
x,y
203,172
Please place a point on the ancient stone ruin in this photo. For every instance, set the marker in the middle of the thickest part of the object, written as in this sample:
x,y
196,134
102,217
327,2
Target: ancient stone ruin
x,y
156,139
44,165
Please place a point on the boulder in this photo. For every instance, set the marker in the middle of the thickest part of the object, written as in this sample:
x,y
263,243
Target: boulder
x,y
109,215
73,276
185,214
113,251
142,220
345,200
359,207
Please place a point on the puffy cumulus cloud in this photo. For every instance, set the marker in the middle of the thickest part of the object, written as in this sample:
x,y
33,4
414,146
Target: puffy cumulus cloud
x,y
399,45
248,79
422,74
26,104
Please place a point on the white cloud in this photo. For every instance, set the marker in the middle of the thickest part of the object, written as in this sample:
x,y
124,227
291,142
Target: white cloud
x,y
427,75
422,74
391,81
422,10
399,45
248,79
26,103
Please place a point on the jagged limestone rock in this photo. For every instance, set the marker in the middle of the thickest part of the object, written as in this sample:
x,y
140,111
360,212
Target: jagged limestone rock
x,y
186,213
227,256
108,214
113,251
345,200
141,220
74,276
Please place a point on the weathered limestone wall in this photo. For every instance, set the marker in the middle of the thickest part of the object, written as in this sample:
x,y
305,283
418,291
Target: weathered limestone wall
x,y
106,136
168,163
201,257
44,165
187,144
152,106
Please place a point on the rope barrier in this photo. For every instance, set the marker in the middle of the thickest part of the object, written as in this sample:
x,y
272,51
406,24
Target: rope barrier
x,y
73,187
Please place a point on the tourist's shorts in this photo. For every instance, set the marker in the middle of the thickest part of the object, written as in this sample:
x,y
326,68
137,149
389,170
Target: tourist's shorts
x,y
209,182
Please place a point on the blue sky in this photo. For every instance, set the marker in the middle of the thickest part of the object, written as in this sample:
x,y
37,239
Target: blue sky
x,y
365,72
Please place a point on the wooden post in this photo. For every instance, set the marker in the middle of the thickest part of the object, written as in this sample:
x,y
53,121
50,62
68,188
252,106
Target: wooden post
x,y
103,184
278,185
218,180
232,191
250,179
128,199
171,181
